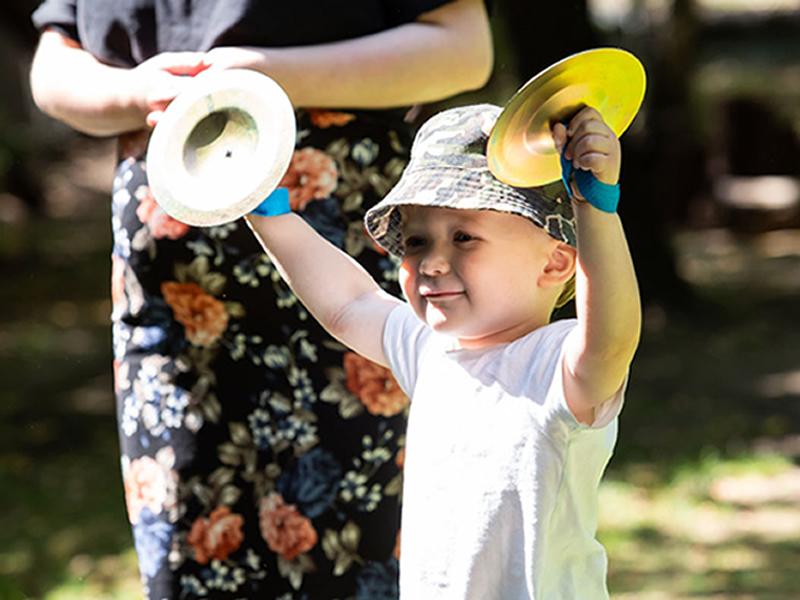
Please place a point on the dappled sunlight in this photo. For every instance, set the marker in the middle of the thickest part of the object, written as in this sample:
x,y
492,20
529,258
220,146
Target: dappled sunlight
x,y
779,384
112,577
714,257
707,532
766,192
614,12
752,489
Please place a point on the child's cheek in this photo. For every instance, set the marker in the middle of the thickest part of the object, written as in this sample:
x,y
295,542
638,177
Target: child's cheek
x,y
405,277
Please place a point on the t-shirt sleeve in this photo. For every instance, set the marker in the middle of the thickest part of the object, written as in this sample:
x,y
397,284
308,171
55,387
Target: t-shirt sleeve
x,y
605,413
61,15
404,11
404,337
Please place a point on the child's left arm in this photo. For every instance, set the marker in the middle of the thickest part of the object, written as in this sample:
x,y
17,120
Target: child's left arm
x,y
600,349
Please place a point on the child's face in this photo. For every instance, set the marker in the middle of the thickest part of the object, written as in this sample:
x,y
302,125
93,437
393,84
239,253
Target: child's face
x,y
476,274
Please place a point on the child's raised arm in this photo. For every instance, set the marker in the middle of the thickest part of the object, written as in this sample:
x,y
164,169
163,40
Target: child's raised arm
x,y
600,349
337,291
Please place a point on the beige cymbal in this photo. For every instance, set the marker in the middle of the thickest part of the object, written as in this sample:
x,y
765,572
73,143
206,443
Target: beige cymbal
x,y
222,145
521,151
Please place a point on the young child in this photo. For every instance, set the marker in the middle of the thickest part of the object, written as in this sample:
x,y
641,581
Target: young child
x,y
513,418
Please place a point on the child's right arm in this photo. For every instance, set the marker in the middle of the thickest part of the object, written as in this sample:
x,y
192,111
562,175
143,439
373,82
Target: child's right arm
x,y
337,291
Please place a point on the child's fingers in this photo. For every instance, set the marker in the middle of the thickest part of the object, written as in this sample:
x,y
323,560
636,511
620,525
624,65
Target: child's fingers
x,y
591,143
592,127
590,161
559,136
587,113
588,141
589,127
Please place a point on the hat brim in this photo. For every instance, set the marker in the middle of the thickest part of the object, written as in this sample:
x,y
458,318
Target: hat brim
x,y
467,189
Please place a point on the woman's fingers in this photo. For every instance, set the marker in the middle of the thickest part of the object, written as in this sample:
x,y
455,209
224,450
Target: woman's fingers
x,y
178,63
153,117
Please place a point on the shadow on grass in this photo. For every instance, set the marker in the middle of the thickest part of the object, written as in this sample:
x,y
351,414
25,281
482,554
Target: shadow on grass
x,y
709,382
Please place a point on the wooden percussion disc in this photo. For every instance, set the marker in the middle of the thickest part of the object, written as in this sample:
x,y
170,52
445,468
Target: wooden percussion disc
x,y
521,151
221,147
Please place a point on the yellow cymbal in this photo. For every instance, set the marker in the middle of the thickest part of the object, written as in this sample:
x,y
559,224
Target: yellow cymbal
x,y
521,151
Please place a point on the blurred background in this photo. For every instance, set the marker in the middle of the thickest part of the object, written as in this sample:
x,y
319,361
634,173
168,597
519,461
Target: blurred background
x,y
702,499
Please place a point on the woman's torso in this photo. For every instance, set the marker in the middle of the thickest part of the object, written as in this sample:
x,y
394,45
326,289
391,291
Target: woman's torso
x,y
127,32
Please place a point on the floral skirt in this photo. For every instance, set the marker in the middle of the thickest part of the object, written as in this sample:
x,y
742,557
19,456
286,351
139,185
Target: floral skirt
x,y
260,458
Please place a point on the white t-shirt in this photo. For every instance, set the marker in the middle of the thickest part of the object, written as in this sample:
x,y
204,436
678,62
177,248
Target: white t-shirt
x,y
500,488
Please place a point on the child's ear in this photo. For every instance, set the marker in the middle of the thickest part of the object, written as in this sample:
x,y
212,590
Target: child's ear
x,y
560,265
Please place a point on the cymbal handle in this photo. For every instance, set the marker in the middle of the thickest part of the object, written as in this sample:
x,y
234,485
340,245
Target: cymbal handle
x,y
603,196
277,203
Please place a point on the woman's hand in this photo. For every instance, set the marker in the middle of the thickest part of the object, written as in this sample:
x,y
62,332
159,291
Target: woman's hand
x,y
71,85
232,57
591,145
157,81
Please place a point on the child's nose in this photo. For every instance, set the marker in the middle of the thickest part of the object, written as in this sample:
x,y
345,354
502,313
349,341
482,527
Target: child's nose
x,y
434,263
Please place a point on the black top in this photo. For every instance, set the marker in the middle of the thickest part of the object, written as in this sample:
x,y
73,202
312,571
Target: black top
x,y
127,32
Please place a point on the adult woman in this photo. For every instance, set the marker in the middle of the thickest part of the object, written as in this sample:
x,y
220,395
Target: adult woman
x,y
259,459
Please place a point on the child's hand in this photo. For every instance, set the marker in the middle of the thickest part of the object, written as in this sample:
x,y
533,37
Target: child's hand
x,y
591,145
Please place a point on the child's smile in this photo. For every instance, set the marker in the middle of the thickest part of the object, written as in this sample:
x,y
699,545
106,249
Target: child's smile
x,y
434,295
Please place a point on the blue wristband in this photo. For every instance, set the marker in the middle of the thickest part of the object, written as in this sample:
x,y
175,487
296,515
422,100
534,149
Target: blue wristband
x,y
277,203
602,196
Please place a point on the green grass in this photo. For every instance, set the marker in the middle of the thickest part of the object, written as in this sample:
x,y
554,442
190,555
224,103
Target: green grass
x,y
674,539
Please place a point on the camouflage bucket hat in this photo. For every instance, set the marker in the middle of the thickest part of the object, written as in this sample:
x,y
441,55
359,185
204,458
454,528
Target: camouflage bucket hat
x,y
448,168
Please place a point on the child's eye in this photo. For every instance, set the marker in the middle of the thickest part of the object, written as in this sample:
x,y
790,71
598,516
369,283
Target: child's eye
x,y
414,242
462,236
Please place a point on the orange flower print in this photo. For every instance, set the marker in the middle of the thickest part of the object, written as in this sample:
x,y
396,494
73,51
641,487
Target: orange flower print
x,y
203,317
400,458
217,536
116,370
311,176
329,118
149,483
374,386
285,530
161,225
118,284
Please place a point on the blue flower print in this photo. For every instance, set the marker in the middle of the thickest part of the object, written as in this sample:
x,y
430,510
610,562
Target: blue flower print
x,y
146,338
313,483
378,581
151,537
365,152
260,429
